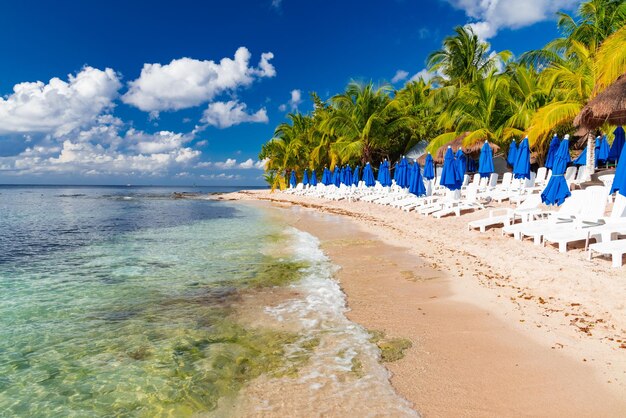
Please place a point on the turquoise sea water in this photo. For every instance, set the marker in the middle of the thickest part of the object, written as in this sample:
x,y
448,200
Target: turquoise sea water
x,y
109,299
123,302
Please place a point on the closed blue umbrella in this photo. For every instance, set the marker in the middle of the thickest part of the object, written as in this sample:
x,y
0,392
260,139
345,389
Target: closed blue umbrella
x,y
292,180
313,180
602,149
512,155
384,177
305,178
336,179
429,168
618,144
355,176
403,177
472,165
326,178
521,169
450,175
368,175
485,162
619,182
342,175
347,177
461,162
557,189
554,146
416,183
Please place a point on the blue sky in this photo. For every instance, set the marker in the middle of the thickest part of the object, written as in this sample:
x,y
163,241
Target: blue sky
x,y
186,92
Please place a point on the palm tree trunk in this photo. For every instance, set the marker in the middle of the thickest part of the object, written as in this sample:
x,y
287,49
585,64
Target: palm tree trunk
x,y
591,154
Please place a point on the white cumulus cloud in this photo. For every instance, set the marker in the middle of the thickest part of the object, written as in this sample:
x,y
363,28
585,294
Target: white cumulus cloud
x,y
489,16
59,106
294,101
400,75
227,114
188,82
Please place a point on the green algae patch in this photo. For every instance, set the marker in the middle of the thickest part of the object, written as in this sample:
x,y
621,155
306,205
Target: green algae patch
x,y
391,349
203,370
357,367
273,272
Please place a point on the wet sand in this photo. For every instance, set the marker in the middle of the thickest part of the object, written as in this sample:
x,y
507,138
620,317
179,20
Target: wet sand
x,y
477,350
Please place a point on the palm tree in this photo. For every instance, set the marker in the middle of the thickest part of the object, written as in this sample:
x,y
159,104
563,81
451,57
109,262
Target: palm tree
x,y
415,102
360,119
482,109
288,149
463,59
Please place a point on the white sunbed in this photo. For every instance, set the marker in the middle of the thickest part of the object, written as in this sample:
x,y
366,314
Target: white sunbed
x,y
568,209
616,249
470,202
591,211
606,229
507,216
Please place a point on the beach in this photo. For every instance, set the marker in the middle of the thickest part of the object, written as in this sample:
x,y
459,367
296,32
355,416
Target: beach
x,y
498,327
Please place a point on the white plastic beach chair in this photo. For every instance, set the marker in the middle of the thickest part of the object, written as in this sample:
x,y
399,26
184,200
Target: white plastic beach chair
x,y
567,210
603,230
507,216
570,175
616,249
591,210
581,177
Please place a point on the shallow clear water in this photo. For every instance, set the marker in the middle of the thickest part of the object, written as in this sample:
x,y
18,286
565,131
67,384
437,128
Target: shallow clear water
x,y
119,302
108,298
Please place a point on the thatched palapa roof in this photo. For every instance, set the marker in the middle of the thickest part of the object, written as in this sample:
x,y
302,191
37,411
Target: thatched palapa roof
x,y
608,106
457,143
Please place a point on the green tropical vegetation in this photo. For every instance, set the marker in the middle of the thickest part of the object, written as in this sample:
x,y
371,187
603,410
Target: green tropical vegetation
x,y
491,96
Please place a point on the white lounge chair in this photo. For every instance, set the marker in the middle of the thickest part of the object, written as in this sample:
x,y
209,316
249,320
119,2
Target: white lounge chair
x,y
570,175
591,210
568,209
605,229
470,202
616,249
507,216
581,177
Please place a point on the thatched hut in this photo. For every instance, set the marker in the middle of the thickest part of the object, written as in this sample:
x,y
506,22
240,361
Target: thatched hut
x,y
607,107
473,151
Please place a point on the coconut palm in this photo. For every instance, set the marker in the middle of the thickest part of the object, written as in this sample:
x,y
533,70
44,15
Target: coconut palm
x,y
288,149
361,119
482,109
578,65
415,102
463,59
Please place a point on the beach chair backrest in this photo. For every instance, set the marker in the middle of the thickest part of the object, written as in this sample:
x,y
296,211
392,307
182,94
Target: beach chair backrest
x,y
476,179
582,174
541,174
531,181
493,179
548,176
573,204
466,178
506,180
471,193
595,204
570,173
531,202
619,207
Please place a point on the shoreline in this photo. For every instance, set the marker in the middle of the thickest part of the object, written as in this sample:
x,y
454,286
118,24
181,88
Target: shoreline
x,y
482,342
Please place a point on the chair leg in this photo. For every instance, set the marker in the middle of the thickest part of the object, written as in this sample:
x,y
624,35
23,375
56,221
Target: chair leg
x,y
617,259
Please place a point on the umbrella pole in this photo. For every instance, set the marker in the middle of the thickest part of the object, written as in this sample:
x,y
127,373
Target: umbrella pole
x,y
591,154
